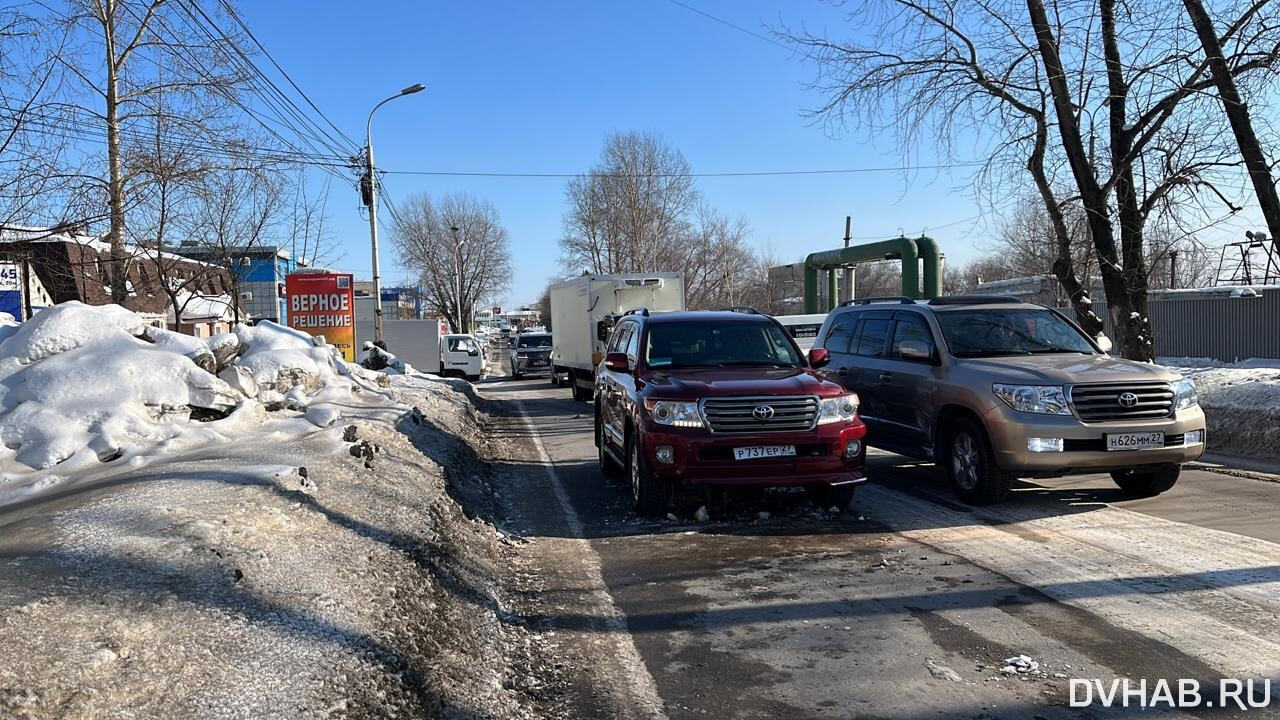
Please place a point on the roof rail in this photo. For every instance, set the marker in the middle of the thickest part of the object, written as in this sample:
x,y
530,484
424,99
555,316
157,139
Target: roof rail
x,y
746,309
641,311
974,300
900,299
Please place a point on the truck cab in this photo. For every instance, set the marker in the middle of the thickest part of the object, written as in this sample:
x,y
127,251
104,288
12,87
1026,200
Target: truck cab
x,y
460,355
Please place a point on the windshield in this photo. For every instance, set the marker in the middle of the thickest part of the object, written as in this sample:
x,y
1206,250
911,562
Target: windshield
x,y
978,333
535,341
719,344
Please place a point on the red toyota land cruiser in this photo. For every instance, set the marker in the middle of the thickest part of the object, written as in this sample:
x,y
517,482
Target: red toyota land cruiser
x,y
722,398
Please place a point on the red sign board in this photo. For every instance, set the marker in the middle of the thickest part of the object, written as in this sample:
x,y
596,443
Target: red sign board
x,y
324,304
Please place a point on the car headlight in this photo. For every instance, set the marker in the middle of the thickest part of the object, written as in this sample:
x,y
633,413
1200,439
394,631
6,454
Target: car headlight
x,y
1043,399
521,357
1184,395
674,413
841,408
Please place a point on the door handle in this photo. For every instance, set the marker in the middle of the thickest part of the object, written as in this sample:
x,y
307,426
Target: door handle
x,y
886,377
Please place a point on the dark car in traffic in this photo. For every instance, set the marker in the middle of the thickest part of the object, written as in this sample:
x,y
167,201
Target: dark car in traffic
x,y
722,398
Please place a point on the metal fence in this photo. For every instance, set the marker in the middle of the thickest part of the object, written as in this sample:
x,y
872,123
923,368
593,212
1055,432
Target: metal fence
x,y
1222,328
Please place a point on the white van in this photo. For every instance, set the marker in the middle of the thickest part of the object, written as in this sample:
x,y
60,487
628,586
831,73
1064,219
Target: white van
x,y
803,328
460,355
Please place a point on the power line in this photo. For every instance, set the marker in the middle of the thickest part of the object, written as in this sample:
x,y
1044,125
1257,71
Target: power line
x,y
743,173
739,28
232,12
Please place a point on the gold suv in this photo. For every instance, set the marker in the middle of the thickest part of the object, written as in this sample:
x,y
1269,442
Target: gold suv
x,y
992,389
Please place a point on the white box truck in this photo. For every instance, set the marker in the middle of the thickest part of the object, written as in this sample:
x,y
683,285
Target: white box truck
x,y
584,309
427,346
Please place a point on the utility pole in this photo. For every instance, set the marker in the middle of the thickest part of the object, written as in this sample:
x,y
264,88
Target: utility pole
x,y
457,273
846,287
371,197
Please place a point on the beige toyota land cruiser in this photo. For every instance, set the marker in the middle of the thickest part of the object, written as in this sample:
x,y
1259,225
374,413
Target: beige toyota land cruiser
x,y
993,389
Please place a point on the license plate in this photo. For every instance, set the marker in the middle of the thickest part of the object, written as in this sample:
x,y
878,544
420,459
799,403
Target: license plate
x,y
537,363
764,451
1134,441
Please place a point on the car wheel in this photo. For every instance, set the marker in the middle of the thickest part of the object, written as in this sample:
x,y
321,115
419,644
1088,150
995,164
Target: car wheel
x,y
515,375
1145,482
608,466
579,393
970,466
648,491
555,379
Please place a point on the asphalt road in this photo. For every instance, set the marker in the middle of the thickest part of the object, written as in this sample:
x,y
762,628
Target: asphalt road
x,y
904,606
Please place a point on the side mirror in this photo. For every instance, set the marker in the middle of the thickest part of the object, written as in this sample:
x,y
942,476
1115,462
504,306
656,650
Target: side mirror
x,y
819,357
915,350
1104,343
602,331
617,362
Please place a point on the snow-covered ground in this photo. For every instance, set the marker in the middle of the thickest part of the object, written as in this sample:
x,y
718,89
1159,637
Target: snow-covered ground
x,y
285,574
86,387
1241,402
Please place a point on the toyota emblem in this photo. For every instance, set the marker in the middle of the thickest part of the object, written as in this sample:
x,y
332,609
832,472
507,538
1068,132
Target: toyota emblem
x,y
762,412
1127,399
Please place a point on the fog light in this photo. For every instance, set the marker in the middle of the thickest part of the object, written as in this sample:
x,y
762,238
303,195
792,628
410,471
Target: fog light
x,y
1039,445
853,448
1195,437
665,454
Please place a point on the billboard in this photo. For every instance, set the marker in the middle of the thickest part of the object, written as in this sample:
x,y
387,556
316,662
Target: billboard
x,y
11,289
324,304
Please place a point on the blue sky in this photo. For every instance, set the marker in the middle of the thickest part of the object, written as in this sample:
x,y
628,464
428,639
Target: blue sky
x,y
521,86
536,87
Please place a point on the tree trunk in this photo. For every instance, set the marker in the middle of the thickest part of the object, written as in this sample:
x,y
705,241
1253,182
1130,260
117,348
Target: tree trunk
x,y
1092,195
1238,114
115,169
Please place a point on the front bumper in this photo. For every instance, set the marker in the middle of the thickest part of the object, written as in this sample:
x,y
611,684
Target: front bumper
x,y
1084,443
701,457
526,366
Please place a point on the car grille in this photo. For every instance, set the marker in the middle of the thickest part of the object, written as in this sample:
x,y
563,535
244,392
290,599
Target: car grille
x,y
1098,403
737,415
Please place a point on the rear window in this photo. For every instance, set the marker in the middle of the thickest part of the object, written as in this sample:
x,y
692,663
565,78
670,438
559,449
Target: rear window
x,y
704,343
535,341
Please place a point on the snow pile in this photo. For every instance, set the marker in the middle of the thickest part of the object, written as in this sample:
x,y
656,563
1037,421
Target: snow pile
x,y
81,384
1241,402
1019,665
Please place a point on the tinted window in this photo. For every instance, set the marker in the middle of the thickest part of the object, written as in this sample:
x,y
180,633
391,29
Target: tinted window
x,y
911,327
837,339
633,345
872,338
620,336
534,341
975,333
706,343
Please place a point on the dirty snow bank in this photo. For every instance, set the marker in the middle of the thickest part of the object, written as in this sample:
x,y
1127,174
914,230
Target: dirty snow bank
x,y
1241,403
331,576
83,385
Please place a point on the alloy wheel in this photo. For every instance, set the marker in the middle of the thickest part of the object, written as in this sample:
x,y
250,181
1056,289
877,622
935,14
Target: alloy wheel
x,y
966,464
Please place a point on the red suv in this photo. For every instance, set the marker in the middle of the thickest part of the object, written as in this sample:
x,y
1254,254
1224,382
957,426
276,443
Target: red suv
x,y
722,398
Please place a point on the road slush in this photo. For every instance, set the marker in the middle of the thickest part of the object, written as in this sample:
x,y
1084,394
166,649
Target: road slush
x,y
1182,694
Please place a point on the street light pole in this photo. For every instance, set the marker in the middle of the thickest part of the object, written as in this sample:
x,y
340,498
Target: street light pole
x,y
457,280
373,209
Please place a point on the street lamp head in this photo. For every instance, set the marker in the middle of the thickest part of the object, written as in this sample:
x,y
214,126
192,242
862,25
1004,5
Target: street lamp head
x,y
416,87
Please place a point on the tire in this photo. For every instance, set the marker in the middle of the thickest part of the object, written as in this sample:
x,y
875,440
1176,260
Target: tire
x,y
969,465
1146,482
473,378
838,496
608,466
580,393
555,378
648,492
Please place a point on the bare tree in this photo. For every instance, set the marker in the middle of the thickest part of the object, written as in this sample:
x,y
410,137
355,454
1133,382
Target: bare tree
x,y
1026,94
638,210
1237,112
477,256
